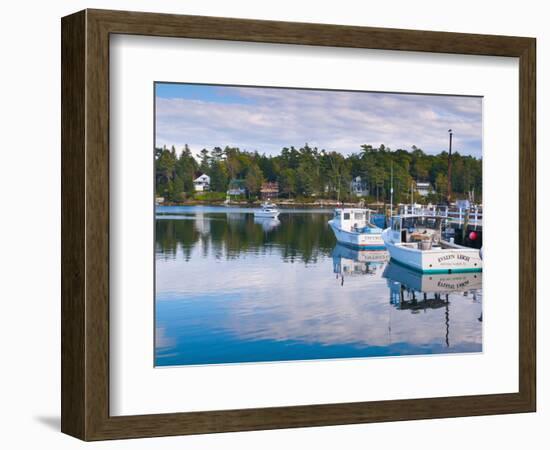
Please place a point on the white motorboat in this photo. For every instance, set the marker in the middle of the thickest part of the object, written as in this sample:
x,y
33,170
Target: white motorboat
x,y
353,227
268,210
417,241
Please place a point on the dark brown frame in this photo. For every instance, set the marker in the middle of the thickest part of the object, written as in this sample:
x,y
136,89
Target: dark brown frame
x,y
85,224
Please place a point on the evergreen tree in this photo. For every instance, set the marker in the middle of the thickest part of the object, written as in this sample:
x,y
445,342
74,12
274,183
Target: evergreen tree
x,y
287,182
254,179
204,161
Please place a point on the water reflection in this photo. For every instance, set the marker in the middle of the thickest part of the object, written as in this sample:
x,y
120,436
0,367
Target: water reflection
x,y
228,233
402,279
347,261
267,223
232,289
416,292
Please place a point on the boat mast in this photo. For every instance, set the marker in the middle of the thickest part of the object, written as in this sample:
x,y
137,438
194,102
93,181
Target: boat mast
x,y
449,163
391,192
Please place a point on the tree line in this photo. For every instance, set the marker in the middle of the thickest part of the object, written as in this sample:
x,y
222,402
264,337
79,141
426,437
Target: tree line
x,y
308,172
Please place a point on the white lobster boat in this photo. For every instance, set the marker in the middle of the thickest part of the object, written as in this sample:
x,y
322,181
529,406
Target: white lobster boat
x,y
417,241
353,228
268,210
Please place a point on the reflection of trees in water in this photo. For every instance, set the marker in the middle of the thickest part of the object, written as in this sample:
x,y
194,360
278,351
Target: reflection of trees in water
x,y
302,237
171,234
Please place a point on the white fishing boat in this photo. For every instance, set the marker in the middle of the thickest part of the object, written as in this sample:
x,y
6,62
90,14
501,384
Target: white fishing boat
x,y
353,227
268,210
417,241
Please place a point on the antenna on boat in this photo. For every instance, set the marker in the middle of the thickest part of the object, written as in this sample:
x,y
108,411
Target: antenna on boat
x,y
391,193
449,166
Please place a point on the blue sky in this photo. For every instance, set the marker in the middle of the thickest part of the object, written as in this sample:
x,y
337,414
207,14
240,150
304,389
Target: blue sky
x,y
267,119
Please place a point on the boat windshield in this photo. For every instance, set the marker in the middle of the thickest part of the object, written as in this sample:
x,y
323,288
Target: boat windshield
x,y
357,216
429,223
395,225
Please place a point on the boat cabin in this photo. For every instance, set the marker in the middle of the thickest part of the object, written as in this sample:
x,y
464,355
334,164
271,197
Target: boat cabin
x,y
267,205
357,220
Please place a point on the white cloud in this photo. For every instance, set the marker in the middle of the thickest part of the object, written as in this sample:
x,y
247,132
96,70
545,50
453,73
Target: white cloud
x,y
268,119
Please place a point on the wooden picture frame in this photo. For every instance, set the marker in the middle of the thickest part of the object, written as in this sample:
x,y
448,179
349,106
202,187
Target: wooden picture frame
x,y
85,224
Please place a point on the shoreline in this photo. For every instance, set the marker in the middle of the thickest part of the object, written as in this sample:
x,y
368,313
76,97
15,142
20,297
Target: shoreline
x,y
329,204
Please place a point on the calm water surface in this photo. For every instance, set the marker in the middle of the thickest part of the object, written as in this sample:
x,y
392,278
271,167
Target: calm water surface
x,y
231,288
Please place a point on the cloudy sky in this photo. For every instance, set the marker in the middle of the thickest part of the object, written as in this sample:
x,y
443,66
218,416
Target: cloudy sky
x,y
267,119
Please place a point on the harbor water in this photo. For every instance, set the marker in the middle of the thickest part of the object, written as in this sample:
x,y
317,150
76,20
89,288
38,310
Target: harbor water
x,y
231,288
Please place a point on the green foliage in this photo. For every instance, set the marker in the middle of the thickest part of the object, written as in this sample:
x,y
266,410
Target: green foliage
x,y
174,175
308,172
209,196
204,161
237,198
287,182
219,176
254,179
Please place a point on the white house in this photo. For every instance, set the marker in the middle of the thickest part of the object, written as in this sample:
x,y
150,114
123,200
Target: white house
x,y
359,187
423,188
202,183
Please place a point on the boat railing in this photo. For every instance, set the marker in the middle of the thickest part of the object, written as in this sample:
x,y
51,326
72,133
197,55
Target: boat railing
x,y
472,216
268,205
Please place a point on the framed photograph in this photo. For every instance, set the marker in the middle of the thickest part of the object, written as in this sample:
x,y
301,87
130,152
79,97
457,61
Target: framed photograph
x,y
273,225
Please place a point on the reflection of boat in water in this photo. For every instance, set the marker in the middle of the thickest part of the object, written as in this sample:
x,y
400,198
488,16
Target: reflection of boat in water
x,y
353,227
348,262
267,223
440,283
412,290
417,241
417,292
268,210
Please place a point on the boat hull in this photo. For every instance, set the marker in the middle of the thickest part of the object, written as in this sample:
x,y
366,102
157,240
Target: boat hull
x,y
266,215
449,260
366,241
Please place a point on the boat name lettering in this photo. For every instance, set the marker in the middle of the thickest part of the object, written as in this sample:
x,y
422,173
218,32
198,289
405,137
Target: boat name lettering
x,y
452,286
453,256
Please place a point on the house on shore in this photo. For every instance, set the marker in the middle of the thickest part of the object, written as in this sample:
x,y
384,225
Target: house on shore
x,y
269,189
202,183
236,187
358,187
423,188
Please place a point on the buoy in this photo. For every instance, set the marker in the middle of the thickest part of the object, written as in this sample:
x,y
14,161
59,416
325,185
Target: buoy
x,y
472,236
